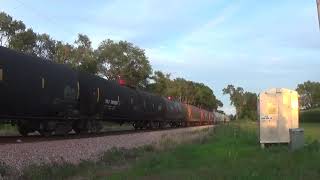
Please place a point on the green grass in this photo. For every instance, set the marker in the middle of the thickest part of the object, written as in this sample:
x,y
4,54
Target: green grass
x,y
311,130
8,129
5,170
110,126
230,152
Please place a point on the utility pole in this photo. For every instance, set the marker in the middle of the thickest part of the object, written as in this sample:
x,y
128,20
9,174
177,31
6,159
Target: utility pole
x,y
318,7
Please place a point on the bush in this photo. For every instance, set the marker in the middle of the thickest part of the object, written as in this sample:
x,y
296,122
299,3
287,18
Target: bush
x,y
312,115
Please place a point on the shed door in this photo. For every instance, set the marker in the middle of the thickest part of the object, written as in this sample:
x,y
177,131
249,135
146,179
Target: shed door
x,y
284,122
268,118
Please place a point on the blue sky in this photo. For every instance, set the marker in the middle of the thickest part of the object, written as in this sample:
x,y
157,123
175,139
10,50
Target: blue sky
x,y
253,44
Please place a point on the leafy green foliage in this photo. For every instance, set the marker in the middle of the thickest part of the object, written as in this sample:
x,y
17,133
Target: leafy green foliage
x,y
45,46
309,94
9,28
84,58
124,59
244,102
180,89
311,115
161,83
63,53
24,41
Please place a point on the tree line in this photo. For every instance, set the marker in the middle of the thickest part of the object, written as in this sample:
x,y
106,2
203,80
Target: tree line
x,y
245,102
110,59
309,95
183,90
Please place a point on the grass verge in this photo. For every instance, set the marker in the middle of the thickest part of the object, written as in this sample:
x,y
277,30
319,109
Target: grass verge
x,y
232,152
229,152
8,129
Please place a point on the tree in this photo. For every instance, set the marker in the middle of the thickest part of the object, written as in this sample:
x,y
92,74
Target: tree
x,y
236,97
125,59
185,91
63,53
249,109
9,28
24,41
309,94
244,102
84,59
218,104
161,83
45,46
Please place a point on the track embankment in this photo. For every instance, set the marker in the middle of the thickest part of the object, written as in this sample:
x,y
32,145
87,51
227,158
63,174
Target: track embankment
x,y
75,150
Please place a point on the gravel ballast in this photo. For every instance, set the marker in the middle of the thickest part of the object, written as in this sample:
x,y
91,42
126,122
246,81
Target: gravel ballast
x,y
19,156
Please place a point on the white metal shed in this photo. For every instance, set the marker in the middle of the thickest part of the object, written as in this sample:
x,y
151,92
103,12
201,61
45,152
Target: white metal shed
x,y
278,112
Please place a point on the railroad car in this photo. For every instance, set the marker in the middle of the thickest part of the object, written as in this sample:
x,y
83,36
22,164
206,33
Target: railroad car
x,y
193,115
221,118
34,91
102,100
175,113
39,95
197,116
152,111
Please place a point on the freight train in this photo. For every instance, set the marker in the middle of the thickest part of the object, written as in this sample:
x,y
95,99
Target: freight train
x,y
221,117
40,95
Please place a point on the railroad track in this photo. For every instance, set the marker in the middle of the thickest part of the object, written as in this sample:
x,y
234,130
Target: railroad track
x,y
39,138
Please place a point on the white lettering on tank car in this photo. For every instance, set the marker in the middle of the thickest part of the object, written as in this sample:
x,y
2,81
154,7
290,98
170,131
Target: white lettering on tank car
x,y
111,104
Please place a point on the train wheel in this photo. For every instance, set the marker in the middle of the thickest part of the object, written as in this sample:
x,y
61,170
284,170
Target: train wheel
x,y
77,130
150,125
159,125
23,130
155,124
45,133
162,125
135,125
43,129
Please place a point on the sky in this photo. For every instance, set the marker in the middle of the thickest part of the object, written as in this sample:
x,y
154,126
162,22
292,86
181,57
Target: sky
x,y
253,44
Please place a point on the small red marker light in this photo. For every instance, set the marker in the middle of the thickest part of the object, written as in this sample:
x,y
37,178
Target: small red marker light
x,y
121,81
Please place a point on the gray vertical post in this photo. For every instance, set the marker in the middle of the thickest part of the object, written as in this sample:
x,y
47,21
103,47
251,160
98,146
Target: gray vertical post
x,y
318,7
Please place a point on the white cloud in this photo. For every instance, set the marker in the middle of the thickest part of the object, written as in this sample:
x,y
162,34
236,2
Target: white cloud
x,y
195,48
206,34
